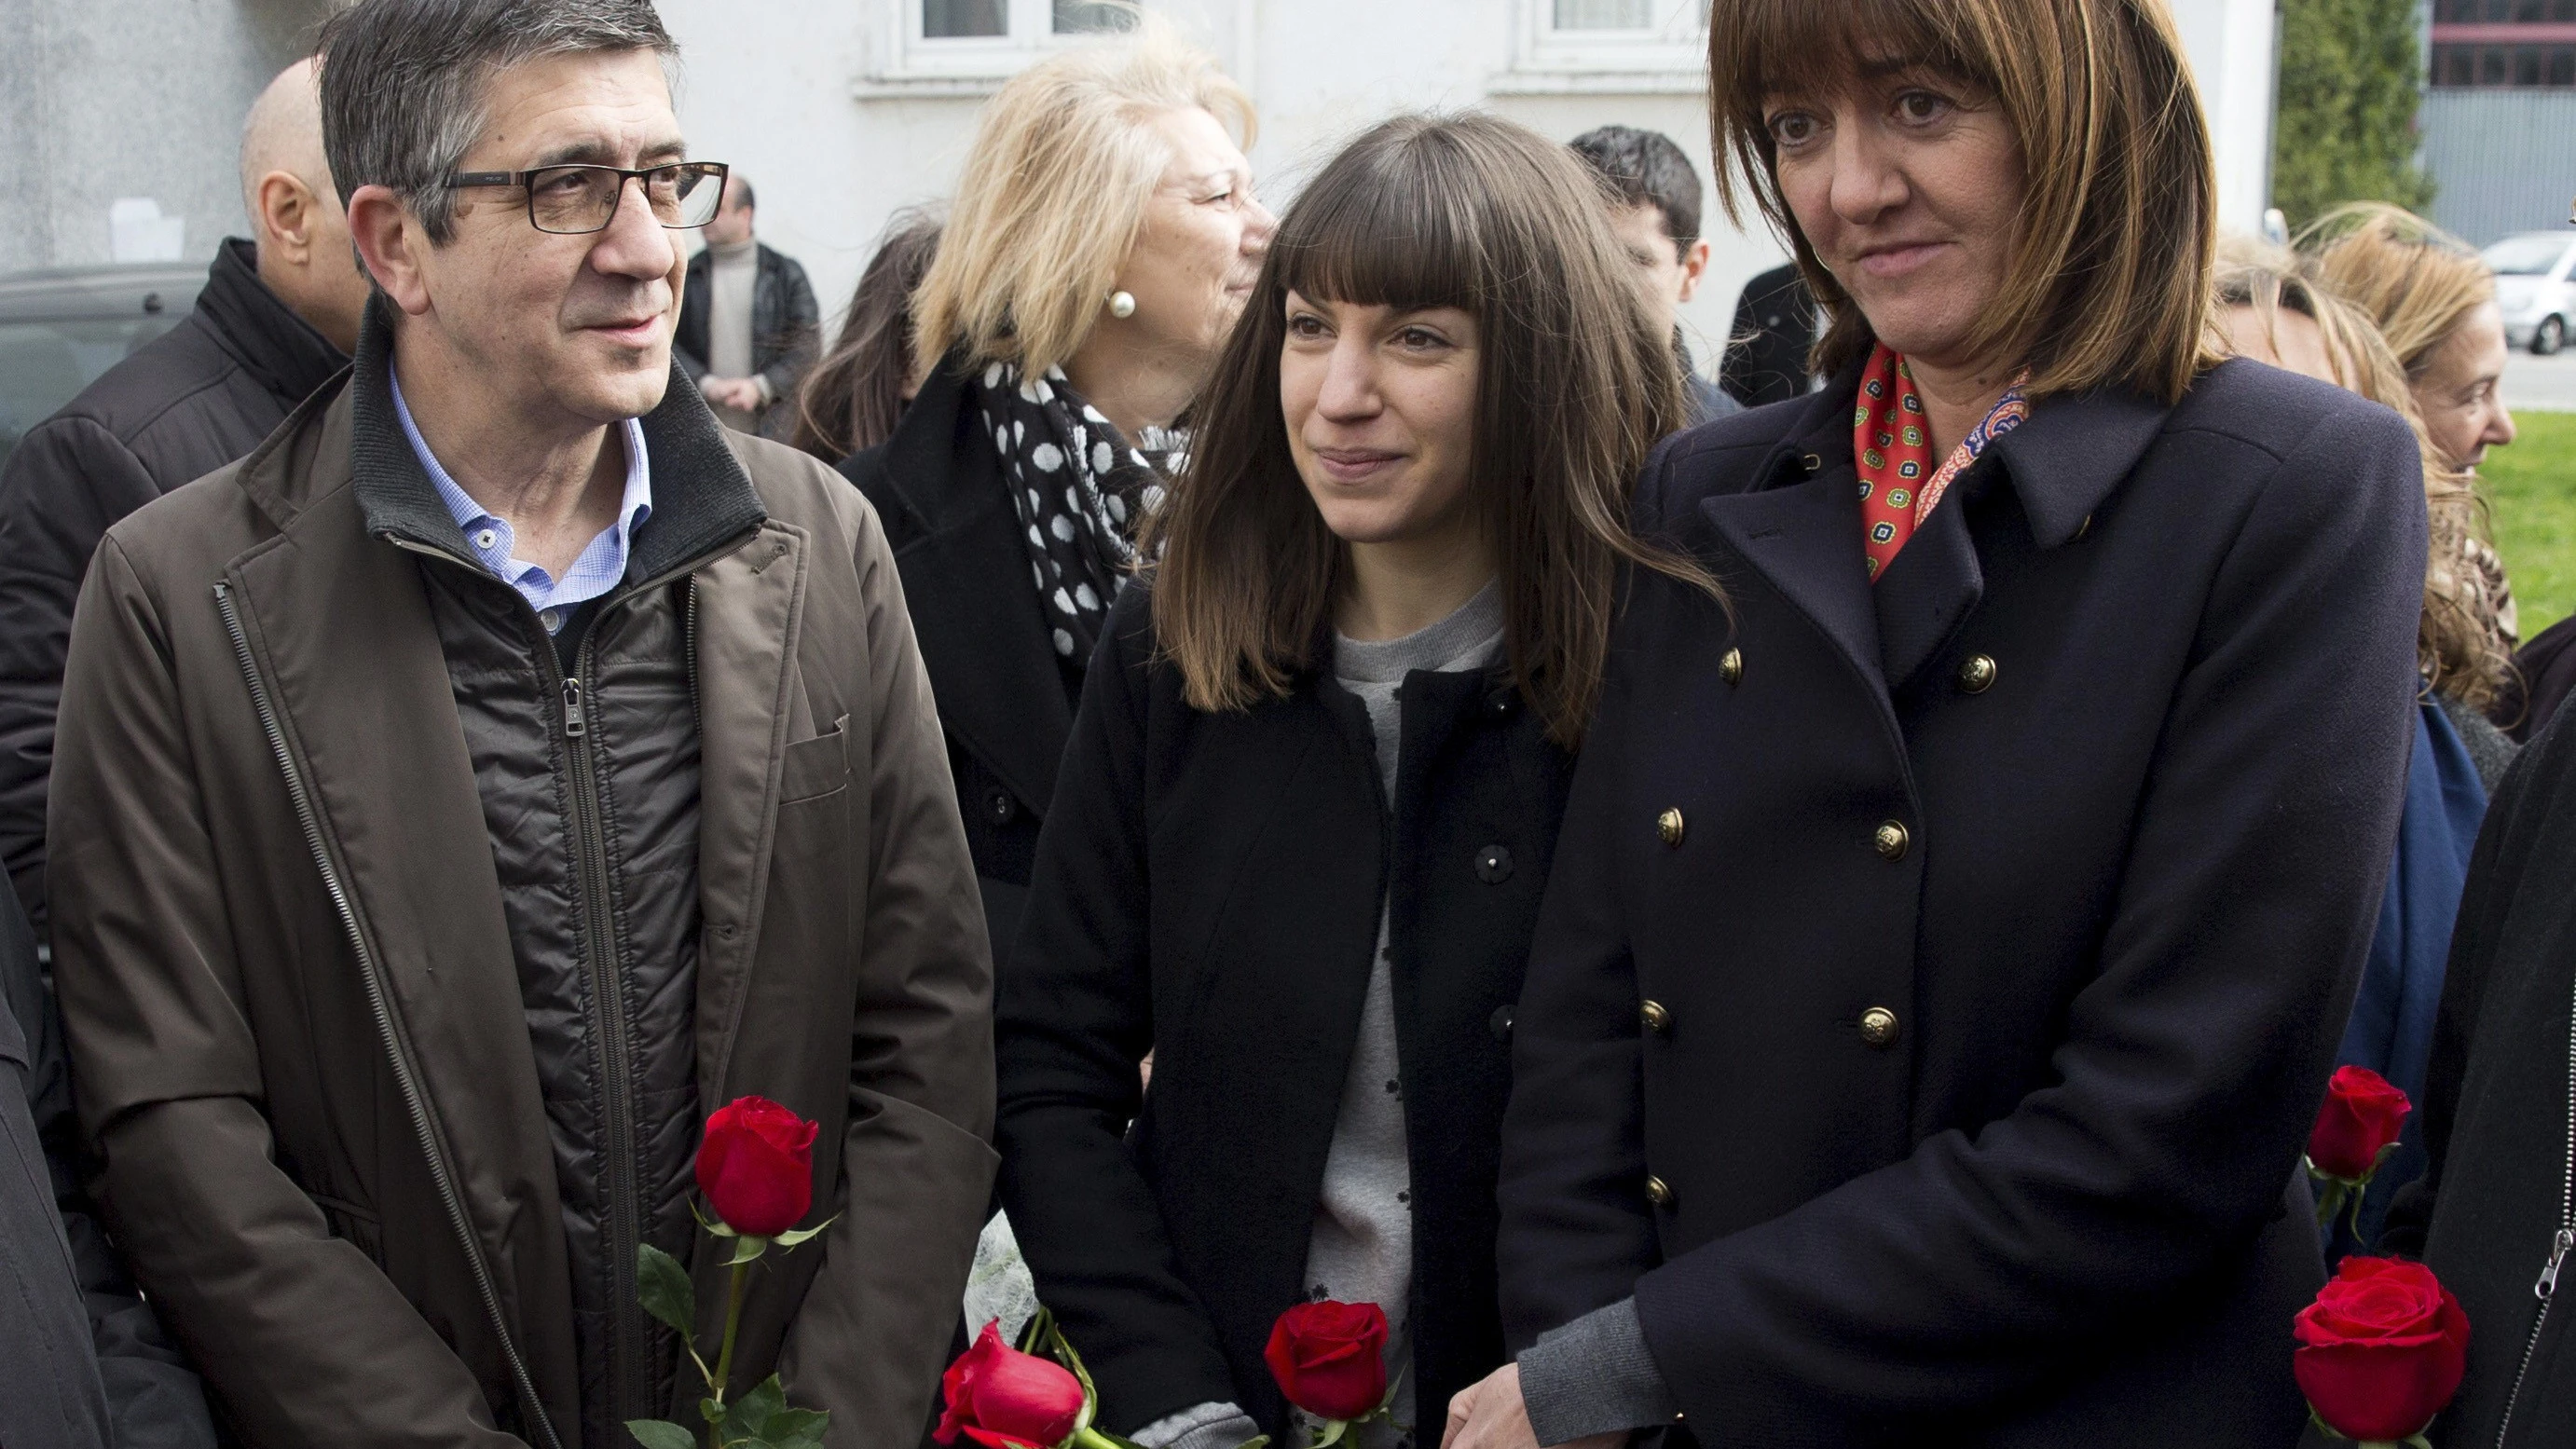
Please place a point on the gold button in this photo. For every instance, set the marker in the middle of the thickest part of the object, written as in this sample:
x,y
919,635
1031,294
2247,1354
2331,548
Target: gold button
x,y
1977,674
1655,1018
1891,840
1658,1194
1730,667
1669,827
2082,528
1878,1026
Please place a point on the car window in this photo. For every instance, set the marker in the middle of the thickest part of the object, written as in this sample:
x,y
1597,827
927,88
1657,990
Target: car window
x,y
43,365
2531,254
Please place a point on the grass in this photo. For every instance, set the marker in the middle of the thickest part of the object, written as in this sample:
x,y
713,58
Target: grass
x,y
2531,495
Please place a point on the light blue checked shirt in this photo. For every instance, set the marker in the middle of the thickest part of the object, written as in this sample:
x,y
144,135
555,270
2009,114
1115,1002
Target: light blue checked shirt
x,y
603,560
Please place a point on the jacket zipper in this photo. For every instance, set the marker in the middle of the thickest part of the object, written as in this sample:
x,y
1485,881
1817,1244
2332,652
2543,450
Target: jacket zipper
x,y
2560,1242
406,1077
629,1365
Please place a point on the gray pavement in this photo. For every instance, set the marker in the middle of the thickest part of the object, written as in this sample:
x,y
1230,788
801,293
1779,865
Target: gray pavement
x,y
2540,384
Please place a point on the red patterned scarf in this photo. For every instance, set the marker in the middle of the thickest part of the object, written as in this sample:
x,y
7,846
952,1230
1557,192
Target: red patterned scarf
x,y
1892,446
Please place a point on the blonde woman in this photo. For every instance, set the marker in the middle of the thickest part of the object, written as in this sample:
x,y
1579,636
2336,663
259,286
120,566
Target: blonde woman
x,y
1102,240
2270,308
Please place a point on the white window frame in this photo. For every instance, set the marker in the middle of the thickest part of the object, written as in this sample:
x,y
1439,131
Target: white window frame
x,y
1669,59
903,62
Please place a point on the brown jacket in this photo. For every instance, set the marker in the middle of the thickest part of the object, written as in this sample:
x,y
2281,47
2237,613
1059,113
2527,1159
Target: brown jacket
x,y
291,995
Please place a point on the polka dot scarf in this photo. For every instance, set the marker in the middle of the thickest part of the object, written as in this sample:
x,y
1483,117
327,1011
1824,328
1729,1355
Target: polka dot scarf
x,y
1892,447
1079,489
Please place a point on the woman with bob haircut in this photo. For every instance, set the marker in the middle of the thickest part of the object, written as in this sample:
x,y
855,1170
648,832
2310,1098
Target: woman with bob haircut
x,y
1950,942
1101,242
1299,840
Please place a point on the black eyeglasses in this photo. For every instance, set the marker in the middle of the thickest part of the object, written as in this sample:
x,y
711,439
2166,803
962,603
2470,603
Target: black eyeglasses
x,y
573,199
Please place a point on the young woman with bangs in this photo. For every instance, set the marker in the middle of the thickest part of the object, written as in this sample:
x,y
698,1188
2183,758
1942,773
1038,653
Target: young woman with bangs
x,y
1950,941
1312,795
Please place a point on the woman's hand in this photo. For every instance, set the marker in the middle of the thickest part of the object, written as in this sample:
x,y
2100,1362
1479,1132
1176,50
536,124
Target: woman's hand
x,y
1490,1415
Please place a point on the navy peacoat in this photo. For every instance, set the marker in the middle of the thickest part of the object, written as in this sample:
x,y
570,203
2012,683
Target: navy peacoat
x,y
1939,980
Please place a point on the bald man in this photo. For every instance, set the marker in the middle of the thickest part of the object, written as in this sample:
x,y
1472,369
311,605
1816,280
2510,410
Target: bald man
x,y
277,316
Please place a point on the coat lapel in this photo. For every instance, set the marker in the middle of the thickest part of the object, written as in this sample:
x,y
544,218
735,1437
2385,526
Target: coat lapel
x,y
749,606
1804,539
1001,691
1932,585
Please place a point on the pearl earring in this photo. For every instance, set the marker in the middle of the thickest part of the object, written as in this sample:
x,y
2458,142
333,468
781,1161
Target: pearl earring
x,y
1122,304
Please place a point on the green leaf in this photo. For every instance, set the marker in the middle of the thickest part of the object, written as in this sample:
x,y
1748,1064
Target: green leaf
x,y
746,1250
658,1434
750,1415
662,1285
712,1410
805,1235
712,1225
1332,1433
1062,1347
795,1429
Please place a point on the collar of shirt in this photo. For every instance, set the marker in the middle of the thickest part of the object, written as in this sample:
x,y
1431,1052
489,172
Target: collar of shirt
x,y
602,562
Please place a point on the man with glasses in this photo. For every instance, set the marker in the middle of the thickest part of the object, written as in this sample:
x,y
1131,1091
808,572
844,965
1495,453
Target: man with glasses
x,y
497,771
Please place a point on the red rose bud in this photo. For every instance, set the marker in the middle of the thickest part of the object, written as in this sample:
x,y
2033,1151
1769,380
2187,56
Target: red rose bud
x,y
756,1166
1004,1399
2362,1115
1330,1358
2381,1350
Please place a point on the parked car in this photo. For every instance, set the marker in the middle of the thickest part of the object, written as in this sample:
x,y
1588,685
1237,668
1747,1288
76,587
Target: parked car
x,y
61,327
2532,288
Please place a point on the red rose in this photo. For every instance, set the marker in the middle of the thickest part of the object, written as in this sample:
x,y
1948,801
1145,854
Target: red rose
x,y
1330,1358
2382,1349
2361,1117
757,1166
1005,1399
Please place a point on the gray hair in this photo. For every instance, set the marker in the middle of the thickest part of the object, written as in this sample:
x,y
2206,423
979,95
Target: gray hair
x,y
403,82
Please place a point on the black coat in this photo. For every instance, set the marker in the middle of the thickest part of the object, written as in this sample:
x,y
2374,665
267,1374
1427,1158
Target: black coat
x,y
1208,888
2016,908
186,403
786,321
2498,1100
1005,700
1766,350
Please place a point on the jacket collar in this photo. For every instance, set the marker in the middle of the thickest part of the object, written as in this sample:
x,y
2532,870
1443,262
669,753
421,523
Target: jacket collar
x,y
701,496
1800,524
275,345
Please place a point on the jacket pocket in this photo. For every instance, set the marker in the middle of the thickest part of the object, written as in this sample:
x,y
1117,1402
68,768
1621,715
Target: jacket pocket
x,y
352,1224
817,767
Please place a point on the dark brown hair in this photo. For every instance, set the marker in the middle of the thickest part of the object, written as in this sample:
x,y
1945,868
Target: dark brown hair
x,y
855,395
2109,281
1574,386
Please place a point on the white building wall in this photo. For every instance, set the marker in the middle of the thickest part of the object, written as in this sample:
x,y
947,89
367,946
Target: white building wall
x,y
823,105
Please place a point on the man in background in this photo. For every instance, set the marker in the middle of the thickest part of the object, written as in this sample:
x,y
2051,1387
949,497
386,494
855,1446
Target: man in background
x,y
1656,217
277,318
748,320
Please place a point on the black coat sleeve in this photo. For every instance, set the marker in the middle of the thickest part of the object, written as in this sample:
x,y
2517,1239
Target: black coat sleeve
x,y
2188,1070
66,481
1074,1018
800,330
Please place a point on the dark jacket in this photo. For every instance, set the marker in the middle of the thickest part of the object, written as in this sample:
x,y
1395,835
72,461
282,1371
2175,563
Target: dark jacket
x,y
50,1393
2490,1214
1208,889
293,980
2002,921
2544,674
1766,350
110,1360
1005,700
185,404
786,322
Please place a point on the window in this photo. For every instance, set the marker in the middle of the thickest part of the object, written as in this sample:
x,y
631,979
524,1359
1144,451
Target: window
x,y
967,47
1640,46
2498,67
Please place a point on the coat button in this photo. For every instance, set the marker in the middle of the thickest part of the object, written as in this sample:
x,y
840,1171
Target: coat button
x,y
1878,1026
1501,705
1977,674
1000,807
1494,864
1668,826
1659,1194
1655,1018
1730,666
1501,1022
1892,840
2081,529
